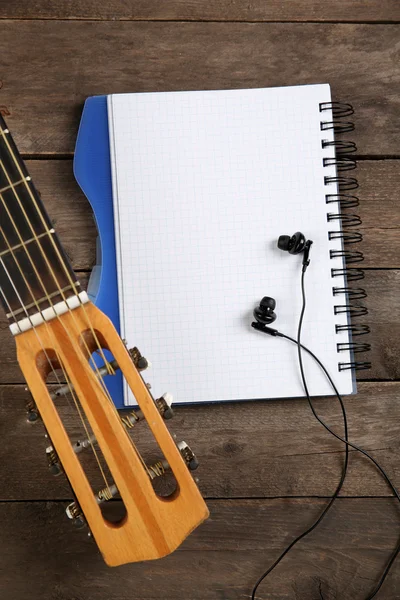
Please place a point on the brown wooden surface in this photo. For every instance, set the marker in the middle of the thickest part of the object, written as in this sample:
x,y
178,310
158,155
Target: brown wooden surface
x,y
266,468
205,10
247,450
49,560
76,59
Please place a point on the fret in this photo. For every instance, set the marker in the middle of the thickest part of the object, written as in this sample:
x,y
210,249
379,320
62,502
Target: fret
x,y
13,185
34,270
36,305
26,242
33,283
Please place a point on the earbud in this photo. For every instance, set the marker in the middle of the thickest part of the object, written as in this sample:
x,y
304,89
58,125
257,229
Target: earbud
x,y
264,313
293,244
296,244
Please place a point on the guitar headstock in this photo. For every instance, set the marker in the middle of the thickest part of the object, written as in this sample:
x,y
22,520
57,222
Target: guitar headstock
x,y
57,330
153,526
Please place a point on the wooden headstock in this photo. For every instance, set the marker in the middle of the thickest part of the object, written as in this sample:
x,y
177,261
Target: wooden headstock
x,y
153,526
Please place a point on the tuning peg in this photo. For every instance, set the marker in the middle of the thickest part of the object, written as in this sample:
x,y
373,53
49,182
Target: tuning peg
x,y
188,456
164,405
31,409
54,463
140,362
74,512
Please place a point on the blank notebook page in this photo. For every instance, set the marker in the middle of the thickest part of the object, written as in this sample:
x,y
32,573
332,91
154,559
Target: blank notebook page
x,y
203,184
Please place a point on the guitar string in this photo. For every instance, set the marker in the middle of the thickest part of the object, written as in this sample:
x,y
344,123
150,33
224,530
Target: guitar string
x,y
49,330
99,376
43,348
60,258
35,237
106,363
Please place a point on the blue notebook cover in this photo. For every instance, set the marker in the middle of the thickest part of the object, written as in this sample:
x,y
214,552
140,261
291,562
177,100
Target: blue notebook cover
x,y
92,170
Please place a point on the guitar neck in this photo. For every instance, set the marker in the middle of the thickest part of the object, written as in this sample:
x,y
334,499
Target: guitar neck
x,y
35,272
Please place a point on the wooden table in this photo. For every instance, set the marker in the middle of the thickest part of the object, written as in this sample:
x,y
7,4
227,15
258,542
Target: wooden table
x,y
267,469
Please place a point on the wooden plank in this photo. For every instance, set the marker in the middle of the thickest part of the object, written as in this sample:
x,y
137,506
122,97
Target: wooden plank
x,y
68,209
205,10
255,449
379,183
383,287
44,96
46,558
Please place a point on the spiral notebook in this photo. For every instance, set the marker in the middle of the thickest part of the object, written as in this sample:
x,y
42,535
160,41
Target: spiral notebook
x,y
204,182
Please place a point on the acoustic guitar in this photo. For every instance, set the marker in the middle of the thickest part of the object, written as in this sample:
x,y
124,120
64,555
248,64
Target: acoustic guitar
x,y
60,335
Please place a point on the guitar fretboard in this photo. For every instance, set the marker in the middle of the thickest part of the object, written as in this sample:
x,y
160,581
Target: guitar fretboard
x,y
34,270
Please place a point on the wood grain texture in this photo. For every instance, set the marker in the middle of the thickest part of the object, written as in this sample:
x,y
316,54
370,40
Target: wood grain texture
x,y
205,10
359,61
46,559
379,188
68,208
255,449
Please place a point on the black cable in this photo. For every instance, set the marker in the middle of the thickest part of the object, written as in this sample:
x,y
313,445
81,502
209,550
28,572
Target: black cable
x,y
338,488
344,439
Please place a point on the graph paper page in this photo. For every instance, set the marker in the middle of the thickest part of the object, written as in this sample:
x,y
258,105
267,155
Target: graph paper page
x,y
204,183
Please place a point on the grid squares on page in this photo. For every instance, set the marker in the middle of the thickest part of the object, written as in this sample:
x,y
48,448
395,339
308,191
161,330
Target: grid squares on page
x,y
205,183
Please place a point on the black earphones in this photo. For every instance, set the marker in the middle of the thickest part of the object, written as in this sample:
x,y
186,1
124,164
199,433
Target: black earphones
x,y
296,244
264,315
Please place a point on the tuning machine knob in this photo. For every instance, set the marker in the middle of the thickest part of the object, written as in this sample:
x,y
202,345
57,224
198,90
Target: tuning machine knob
x,y
188,456
31,409
54,463
74,512
140,362
164,405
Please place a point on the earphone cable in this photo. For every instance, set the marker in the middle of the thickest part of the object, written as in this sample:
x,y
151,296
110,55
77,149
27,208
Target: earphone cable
x,y
338,488
344,439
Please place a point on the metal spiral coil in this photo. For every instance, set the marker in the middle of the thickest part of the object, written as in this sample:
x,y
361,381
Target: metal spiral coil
x,y
341,147
337,126
356,365
353,347
343,199
354,329
351,309
346,184
355,293
342,163
350,256
338,109
346,220
348,237
351,274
